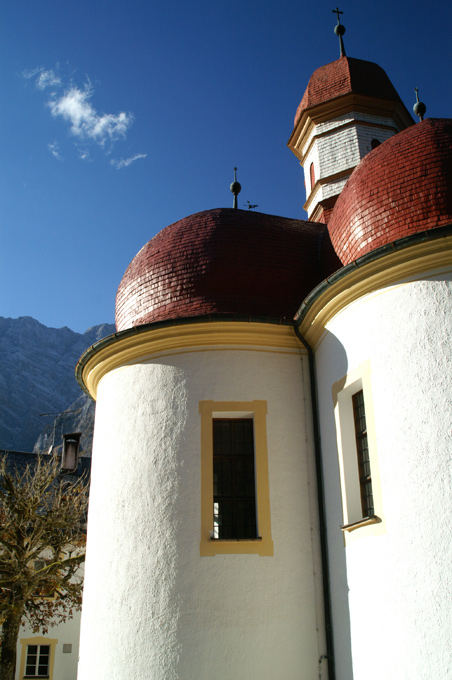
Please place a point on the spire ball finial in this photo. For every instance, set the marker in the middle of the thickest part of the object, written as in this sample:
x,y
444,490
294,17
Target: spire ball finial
x,y
235,188
419,108
339,30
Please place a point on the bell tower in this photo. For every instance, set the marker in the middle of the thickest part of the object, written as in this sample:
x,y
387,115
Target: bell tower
x,y
349,107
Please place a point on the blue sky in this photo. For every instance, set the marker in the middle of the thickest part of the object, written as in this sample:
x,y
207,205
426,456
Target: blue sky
x,y
119,118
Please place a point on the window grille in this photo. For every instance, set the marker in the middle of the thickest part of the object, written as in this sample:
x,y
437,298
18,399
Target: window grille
x,y
234,492
37,663
365,478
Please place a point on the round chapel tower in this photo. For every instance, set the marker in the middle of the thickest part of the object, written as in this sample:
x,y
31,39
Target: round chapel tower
x,y
203,552
204,541
381,329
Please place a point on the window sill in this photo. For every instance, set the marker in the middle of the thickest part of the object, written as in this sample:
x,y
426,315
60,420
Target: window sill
x,y
365,521
234,540
262,545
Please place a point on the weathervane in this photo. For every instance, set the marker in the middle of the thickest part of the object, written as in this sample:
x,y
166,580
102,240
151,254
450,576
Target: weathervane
x,y
235,188
339,29
419,108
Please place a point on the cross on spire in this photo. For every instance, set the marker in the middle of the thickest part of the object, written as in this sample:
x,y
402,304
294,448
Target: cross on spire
x,y
339,29
337,11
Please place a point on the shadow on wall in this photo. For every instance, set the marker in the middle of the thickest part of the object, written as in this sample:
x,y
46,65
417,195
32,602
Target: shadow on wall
x,y
334,363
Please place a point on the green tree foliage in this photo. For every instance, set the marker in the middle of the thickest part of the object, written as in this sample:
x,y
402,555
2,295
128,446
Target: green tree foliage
x,y
42,545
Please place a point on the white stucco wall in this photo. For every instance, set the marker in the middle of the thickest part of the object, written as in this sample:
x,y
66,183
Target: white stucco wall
x,y
154,609
399,581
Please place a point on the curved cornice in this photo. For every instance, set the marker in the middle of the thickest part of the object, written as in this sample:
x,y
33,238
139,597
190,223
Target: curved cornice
x,y
146,342
401,260
398,261
345,104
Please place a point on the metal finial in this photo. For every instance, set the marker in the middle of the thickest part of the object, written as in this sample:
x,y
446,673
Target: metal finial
x,y
236,188
419,108
339,30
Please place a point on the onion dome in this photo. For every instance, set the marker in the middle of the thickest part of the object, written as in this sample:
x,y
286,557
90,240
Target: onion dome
x,y
402,187
225,262
349,76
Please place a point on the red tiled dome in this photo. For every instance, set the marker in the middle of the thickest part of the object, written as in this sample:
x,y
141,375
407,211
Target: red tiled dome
x,y
225,261
344,76
402,187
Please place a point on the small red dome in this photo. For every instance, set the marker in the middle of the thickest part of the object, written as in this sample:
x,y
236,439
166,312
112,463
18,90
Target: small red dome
x,y
225,261
402,187
344,76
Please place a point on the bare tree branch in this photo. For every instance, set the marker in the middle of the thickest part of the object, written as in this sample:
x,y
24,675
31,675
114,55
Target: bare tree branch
x,y
42,545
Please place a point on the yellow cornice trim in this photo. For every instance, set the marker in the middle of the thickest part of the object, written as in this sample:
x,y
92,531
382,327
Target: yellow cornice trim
x,y
344,124
178,337
323,181
346,104
386,270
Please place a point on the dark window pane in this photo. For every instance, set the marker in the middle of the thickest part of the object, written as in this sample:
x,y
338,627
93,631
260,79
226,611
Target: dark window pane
x,y
364,471
233,477
32,654
37,662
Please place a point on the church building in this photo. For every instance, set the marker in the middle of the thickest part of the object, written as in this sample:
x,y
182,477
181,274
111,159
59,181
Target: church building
x,y
270,483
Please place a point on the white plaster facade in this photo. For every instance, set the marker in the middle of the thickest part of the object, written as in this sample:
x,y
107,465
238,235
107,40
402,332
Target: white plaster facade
x,y
154,608
65,651
398,572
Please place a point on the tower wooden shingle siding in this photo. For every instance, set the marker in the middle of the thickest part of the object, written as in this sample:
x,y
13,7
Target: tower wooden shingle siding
x,y
347,104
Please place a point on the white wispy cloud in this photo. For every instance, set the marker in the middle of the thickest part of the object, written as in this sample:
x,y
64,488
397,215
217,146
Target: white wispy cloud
x,y
119,163
55,150
47,79
74,106
44,78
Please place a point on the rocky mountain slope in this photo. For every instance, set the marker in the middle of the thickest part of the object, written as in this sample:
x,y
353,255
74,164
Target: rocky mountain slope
x,y
37,376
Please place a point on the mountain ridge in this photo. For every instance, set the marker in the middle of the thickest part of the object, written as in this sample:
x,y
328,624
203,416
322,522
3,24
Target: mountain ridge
x,y
37,377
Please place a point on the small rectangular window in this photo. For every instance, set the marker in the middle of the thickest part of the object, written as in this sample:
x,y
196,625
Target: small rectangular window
x,y
234,491
362,502
362,448
37,662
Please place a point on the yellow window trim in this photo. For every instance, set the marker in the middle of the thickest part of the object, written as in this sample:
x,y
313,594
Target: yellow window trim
x,y
235,409
37,641
342,391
